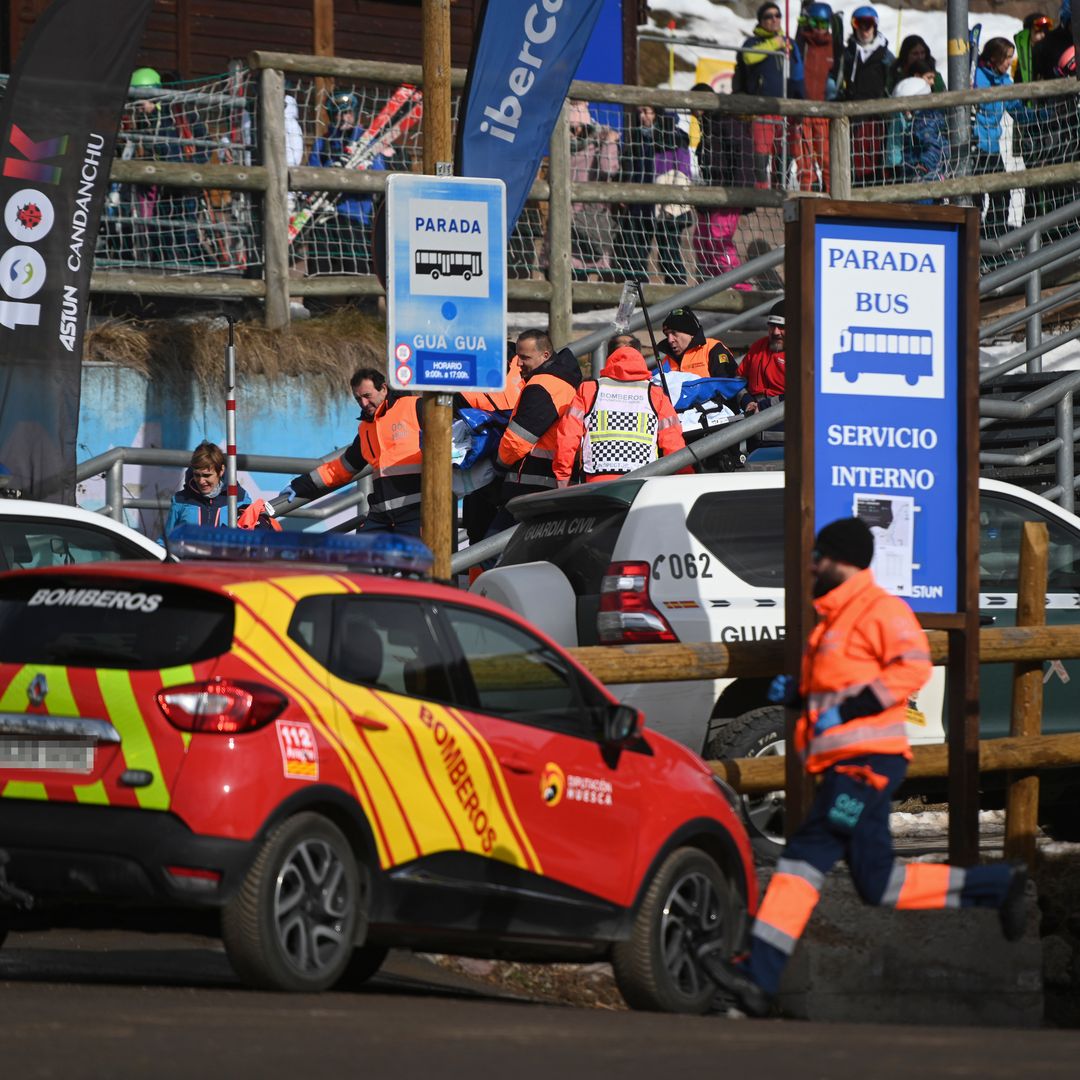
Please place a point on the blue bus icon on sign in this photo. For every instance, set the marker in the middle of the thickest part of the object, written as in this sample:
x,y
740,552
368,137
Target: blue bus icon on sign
x,y
881,351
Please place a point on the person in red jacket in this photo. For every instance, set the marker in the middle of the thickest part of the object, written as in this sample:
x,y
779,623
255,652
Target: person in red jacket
x,y
617,423
863,660
763,366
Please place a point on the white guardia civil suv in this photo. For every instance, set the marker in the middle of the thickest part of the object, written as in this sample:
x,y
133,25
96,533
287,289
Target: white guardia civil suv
x,y
700,558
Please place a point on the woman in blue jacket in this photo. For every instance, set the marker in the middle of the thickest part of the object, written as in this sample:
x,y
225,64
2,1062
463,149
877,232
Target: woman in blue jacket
x,y
995,62
203,499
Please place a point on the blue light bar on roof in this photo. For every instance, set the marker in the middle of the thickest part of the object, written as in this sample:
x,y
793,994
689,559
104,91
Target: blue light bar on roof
x,y
384,551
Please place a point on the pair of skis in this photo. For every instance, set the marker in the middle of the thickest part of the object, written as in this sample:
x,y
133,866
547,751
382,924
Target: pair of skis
x,y
401,112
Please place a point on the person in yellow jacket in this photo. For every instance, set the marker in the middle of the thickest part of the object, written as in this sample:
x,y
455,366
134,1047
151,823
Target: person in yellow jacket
x,y
691,351
388,439
527,449
866,656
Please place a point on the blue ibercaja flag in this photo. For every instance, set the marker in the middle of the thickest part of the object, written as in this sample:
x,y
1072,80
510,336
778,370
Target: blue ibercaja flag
x,y
58,124
523,61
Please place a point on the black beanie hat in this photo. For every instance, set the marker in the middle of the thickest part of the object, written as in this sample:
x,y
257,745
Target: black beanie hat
x,y
848,541
682,321
776,314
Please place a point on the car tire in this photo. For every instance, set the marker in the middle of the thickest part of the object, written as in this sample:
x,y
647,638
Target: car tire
x,y
688,902
758,733
292,924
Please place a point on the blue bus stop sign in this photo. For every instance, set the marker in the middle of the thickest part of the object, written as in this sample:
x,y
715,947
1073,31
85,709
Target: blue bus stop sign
x,y
446,283
886,398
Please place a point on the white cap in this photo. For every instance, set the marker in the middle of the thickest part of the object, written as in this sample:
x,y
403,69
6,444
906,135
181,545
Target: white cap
x,y
913,86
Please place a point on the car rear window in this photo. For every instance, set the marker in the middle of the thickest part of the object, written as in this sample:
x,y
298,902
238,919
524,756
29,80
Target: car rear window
x,y
745,531
110,623
579,544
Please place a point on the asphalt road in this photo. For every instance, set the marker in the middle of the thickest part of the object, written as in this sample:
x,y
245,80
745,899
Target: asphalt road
x,y
104,1004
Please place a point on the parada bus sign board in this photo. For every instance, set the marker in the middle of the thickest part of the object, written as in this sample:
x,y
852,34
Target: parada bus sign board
x,y
446,283
881,418
886,382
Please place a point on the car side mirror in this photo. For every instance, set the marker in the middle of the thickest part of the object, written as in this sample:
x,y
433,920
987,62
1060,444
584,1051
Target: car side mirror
x,y
621,724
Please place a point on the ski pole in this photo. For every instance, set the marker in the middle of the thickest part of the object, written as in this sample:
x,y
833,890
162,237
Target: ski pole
x,y
230,423
660,361
652,340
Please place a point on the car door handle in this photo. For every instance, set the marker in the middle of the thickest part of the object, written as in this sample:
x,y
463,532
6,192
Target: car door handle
x,y
987,620
516,765
367,723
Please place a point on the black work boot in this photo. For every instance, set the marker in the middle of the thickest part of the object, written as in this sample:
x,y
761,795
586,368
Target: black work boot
x,y
732,979
1013,910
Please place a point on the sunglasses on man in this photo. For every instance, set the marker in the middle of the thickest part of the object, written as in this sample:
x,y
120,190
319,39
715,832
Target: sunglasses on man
x,y
865,24
817,24
1043,23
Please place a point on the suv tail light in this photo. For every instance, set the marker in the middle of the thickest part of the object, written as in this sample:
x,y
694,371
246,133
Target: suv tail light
x,y
220,706
627,615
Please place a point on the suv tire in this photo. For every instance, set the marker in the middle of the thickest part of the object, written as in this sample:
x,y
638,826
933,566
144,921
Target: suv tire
x,y
689,902
757,733
292,924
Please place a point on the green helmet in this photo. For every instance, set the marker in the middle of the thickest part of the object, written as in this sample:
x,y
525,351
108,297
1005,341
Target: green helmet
x,y
145,76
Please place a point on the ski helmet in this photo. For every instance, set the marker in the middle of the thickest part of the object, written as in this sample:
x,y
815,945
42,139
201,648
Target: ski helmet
x,y
343,101
1066,65
145,76
818,12
864,12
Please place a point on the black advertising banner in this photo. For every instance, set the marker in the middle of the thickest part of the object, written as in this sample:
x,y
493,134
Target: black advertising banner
x,y
58,125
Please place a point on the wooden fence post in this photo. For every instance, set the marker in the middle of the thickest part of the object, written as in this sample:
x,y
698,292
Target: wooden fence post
x,y
1022,792
275,198
561,304
840,158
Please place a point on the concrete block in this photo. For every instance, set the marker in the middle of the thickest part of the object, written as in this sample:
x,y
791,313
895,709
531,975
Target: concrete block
x,y
858,963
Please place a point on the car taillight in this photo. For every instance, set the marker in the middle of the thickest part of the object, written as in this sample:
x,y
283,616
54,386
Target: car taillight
x,y
627,615
220,706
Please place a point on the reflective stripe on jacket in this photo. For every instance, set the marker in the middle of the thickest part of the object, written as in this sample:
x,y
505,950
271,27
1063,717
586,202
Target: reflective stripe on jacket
x,y
391,445
867,640
620,427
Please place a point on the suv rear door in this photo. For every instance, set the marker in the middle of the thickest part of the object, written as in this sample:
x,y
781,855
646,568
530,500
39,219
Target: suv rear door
x,y
83,657
575,531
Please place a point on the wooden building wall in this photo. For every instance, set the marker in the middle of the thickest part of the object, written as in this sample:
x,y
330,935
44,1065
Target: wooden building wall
x,y
199,37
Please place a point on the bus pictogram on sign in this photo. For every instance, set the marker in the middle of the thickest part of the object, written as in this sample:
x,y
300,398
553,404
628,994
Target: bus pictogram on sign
x,y
463,264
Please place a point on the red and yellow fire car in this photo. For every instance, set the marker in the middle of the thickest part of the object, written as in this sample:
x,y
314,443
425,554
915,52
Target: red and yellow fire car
x,y
343,761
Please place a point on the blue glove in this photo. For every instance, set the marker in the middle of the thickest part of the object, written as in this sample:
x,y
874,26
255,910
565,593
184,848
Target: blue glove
x,y
828,719
287,492
781,689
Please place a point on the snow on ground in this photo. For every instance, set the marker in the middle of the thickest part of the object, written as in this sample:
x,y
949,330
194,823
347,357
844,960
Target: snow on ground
x,y
719,23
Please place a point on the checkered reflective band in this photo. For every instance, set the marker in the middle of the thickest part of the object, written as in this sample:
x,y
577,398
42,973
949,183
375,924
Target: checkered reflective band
x,y
620,428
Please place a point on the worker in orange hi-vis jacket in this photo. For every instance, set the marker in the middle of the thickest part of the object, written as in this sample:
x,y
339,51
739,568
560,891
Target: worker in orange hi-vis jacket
x,y
616,423
866,656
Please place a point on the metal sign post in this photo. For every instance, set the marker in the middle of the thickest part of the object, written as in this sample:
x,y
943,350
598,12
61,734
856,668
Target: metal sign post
x,y
231,489
882,401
